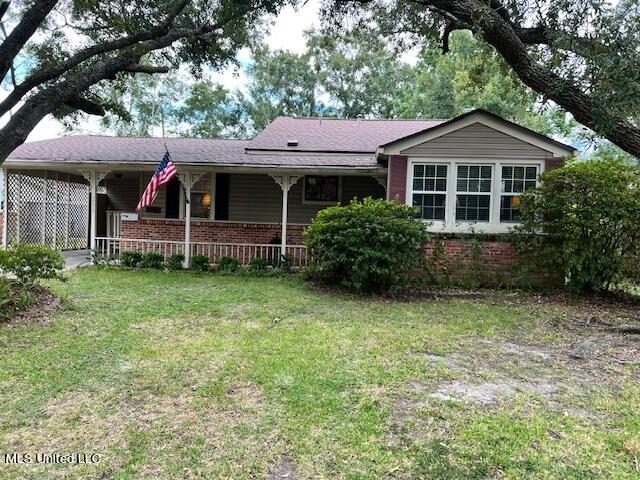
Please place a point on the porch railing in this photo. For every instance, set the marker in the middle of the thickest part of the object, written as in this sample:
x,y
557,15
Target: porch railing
x,y
110,247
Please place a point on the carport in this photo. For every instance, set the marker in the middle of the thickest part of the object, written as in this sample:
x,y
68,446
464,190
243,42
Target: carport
x,y
45,207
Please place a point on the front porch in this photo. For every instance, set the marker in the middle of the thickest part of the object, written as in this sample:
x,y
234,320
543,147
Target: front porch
x,y
235,212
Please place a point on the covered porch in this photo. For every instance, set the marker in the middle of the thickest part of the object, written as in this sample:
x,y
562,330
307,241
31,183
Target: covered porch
x,y
240,212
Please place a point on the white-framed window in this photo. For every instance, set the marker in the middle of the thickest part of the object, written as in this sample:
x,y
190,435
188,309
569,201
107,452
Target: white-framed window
x,y
202,198
515,180
321,189
473,193
429,190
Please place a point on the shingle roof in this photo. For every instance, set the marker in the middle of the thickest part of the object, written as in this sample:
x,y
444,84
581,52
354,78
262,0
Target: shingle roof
x,y
99,148
79,148
335,135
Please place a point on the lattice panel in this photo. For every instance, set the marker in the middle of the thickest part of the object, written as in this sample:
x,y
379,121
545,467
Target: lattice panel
x,y
50,209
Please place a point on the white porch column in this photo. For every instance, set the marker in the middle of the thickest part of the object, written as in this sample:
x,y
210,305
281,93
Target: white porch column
x,y
94,177
285,182
5,203
188,179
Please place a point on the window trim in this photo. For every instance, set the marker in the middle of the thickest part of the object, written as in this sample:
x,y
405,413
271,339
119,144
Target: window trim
x,y
213,198
431,192
450,225
321,202
511,194
489,194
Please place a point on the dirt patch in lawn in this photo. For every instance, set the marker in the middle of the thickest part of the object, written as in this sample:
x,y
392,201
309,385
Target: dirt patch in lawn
x,y
284,470
43,306
491,373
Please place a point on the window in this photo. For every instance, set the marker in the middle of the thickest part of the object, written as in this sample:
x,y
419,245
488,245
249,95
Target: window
x,y
473,185
321,189
201,198
430,191
515,180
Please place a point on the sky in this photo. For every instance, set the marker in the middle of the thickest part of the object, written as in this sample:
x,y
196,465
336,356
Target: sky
x,y
286,34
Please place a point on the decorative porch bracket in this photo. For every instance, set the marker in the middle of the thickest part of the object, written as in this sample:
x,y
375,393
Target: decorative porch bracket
x,y
285,182
381,180
94,177
188,180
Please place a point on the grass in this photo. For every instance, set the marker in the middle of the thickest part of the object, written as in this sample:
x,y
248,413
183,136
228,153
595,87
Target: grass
x,y
180,375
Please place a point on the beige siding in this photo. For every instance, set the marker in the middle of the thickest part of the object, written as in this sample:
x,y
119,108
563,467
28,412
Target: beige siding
x,y
254,198
477,141
361,187
257,198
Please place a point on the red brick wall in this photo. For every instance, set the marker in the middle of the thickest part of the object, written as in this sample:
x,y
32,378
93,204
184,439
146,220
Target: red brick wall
x,y
397,178
222,232
494,261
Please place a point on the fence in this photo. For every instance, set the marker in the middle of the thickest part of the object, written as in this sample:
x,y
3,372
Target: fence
x,y
107,247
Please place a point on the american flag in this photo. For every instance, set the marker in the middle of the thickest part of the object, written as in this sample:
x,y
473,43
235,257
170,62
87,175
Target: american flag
x,y
165,172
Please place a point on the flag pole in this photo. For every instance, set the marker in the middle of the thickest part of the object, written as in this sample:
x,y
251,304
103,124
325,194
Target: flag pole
x,y
184,190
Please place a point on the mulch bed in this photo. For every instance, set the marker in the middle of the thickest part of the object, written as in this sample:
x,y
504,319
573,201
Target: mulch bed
x,y
41,310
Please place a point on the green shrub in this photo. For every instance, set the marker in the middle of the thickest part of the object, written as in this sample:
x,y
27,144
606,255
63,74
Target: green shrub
x,y
583,221
30,263
286,262
373,245
13,298
200,263
257,265
152,260
130,258
175,262
228,264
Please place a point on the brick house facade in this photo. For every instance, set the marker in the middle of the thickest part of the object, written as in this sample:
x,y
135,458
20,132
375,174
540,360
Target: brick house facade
x,y
464,176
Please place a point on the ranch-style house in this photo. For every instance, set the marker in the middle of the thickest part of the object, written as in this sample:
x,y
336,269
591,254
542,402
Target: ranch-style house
x,y
253,198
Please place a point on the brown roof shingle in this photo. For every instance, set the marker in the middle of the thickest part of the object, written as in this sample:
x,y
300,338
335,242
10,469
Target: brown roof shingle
x,y
335,135
106,149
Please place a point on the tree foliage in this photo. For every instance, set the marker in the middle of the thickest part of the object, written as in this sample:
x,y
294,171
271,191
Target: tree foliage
x,y
370,246
56,56
583,55
350,76
584,219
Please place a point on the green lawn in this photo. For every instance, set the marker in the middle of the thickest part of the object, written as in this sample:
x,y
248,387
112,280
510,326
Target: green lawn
x,y
179,375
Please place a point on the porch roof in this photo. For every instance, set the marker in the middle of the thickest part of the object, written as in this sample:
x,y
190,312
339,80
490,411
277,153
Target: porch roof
x,y
108,150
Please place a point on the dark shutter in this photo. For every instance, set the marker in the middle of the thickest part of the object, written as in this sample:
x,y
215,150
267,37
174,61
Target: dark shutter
x,y
221,203
173,199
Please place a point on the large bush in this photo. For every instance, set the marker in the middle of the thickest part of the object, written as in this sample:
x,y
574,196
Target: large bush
x,y
13,298
372,245
584,218
30,263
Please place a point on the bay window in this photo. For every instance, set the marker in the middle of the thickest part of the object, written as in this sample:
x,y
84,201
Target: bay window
x,y
430,191
473,187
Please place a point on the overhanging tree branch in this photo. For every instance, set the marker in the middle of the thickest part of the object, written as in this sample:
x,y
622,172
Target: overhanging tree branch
x,y
51,73
504,38
87,106
48,99
23,31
